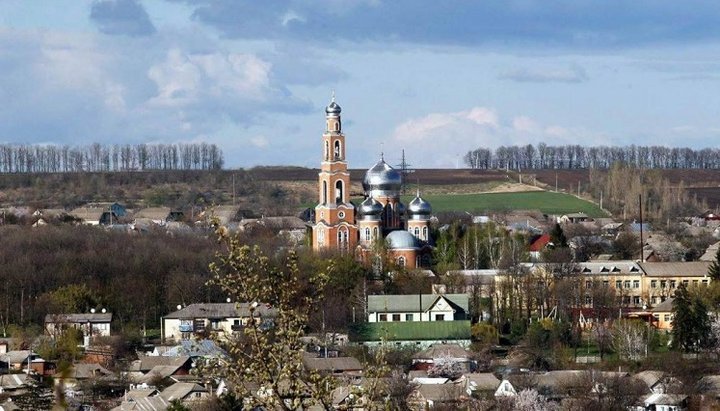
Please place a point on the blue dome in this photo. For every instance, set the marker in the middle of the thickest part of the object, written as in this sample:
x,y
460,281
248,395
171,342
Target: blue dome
x,y
401,239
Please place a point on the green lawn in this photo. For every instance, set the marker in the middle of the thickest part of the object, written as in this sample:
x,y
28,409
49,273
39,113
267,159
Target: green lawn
x,y
545,201
412,330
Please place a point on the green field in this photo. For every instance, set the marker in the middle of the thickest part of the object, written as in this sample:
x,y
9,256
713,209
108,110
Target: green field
x,y
545,201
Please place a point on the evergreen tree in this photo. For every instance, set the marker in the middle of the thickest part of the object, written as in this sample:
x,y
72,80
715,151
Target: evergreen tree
x,y
714,270
557,237
683,332
701,323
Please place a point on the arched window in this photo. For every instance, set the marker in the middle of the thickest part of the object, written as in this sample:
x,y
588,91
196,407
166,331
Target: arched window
x,y
337,149
425,236
324,193
417,232
375,233
417,261
367,234
321,237
327,151
339,198
401,261
337,126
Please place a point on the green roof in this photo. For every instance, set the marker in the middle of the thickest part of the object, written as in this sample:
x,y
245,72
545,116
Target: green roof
x,y
411,330
413,302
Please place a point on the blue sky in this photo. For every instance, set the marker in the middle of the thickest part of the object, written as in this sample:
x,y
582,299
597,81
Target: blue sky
x,y
434,78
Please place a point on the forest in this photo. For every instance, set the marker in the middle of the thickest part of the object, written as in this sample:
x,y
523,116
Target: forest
x,y
22,158
600,157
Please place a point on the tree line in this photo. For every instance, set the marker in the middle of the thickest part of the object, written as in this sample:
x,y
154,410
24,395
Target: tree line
x,y
25,158
576,156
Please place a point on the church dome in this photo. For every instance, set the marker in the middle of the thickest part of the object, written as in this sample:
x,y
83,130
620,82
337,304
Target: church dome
x,y
382,180
333,109
370,207
401,239
419,206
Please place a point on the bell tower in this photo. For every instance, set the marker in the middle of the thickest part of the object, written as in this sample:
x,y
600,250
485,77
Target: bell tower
x,y
334,227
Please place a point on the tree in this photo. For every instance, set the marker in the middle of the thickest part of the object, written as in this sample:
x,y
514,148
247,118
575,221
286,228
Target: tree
x,y
270,359
557,236
714,270
629,339
702,324
529,400
684,329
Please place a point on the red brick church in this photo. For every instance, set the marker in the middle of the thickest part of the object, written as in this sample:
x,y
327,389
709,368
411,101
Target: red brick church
x,y
343,226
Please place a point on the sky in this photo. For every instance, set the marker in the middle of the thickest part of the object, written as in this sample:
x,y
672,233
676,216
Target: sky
x,y
435,78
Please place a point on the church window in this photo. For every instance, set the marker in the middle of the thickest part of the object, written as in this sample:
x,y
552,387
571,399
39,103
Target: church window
x,y
321,237
341,214
337,149
401,261
417,261
339,192
324,193
327,151
425,235
375,232
417,232
367,234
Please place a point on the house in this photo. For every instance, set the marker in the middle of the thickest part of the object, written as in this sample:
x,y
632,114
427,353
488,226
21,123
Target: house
x,y
97,324
505,389
223,318
483,385
185,392
20,359
118,209
427,396
611,229
420,319
657,382
662,402
574,218
711,252
80,373
148,368
151,400
660,279
225,214
444,352
663,315
95,215
336,366
12,383
156,215
538,243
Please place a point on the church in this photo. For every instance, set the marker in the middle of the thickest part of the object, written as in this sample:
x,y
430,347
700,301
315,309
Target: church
x,y
381,217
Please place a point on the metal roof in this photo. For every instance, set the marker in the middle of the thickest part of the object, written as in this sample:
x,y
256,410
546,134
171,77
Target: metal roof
x,y
413,302
81,318
676,269
221,310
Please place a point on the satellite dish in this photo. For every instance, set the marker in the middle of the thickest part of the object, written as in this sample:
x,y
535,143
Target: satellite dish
x,y
92,311
104,311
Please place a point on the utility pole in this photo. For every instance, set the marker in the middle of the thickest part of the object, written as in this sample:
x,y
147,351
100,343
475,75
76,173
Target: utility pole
x,y
642,250
405,169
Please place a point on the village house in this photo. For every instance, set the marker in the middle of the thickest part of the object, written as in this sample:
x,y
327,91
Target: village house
x,y
222,318
95,324
95,215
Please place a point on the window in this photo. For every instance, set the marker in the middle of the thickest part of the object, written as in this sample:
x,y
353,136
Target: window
x,y
417,231
695,282
666,318
339,198
636,300
686,283
401,261
654,300
606,283
588,284
588,300
337,146
424,237
672,283
321,237
409,317
341,214
439,317
375,232
704,282
663,284
367,234
653,284
627,284
636,283
618,284
327,151
383,317
396,317
324,193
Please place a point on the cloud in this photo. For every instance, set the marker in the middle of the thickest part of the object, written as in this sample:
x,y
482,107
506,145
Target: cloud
x,y
559,24
126,17
441,139
78,88
524,75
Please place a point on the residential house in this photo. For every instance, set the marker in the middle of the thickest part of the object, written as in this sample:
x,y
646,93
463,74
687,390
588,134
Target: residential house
x,y
444,353
149,368
480,385
80,373
346,367
19,360
119,209
660,279
505,389
156,215
538,243
15,383
662,402
151,400
95,324
711,252
223,318
657,382
95,215
574,218
663,315
420,319
427,396
225,214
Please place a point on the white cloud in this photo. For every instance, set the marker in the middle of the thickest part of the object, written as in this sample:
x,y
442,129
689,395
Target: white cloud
x,y
441,139
259,141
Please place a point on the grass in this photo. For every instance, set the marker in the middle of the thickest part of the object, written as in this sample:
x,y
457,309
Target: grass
x,y
420,330
545,201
